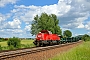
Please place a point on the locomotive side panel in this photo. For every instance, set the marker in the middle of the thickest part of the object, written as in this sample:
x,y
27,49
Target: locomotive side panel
x,y
55,37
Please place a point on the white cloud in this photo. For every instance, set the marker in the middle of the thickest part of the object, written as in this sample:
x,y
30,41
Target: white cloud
x,y
5,2
11,32
76,16
70,12
87,26
80,21
4,17
15,24
88,33
27,13
28,27
80,25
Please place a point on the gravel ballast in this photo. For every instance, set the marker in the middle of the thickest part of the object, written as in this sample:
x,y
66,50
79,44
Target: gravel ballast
x,y
44,55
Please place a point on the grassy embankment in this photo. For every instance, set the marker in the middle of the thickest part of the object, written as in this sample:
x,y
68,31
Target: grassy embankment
x,y
24,44
81,52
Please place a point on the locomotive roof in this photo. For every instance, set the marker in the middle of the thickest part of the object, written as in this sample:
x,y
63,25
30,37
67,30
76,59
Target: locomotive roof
x,y
43,31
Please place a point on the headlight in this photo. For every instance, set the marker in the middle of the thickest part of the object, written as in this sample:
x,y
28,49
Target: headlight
x,y
39,36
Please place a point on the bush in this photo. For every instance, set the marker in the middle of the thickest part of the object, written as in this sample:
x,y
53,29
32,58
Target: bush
x,y
86,37
11,47
0,48
14,42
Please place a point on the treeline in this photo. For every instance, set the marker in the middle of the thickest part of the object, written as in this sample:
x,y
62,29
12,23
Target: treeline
x,y
3,39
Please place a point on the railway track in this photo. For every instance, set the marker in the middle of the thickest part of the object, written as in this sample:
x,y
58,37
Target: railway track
x,y
10,54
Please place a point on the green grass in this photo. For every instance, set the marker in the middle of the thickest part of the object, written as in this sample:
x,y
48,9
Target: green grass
x,y
27,41
4,43
81,52
24,44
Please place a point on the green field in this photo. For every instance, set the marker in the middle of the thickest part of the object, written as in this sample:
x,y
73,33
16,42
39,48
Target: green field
x,y
24,44
27,41
81,52
4,43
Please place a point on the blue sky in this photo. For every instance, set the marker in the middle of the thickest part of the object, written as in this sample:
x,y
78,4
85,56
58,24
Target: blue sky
x,y
16,16
37,2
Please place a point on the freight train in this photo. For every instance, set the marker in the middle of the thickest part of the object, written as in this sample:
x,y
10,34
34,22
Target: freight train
x,y
46,37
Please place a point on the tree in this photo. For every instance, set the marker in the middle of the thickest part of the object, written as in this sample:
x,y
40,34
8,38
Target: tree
x,y
86,37
67,33
45,22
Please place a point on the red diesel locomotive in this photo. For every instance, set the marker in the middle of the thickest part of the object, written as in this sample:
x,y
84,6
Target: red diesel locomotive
x,y
45,37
